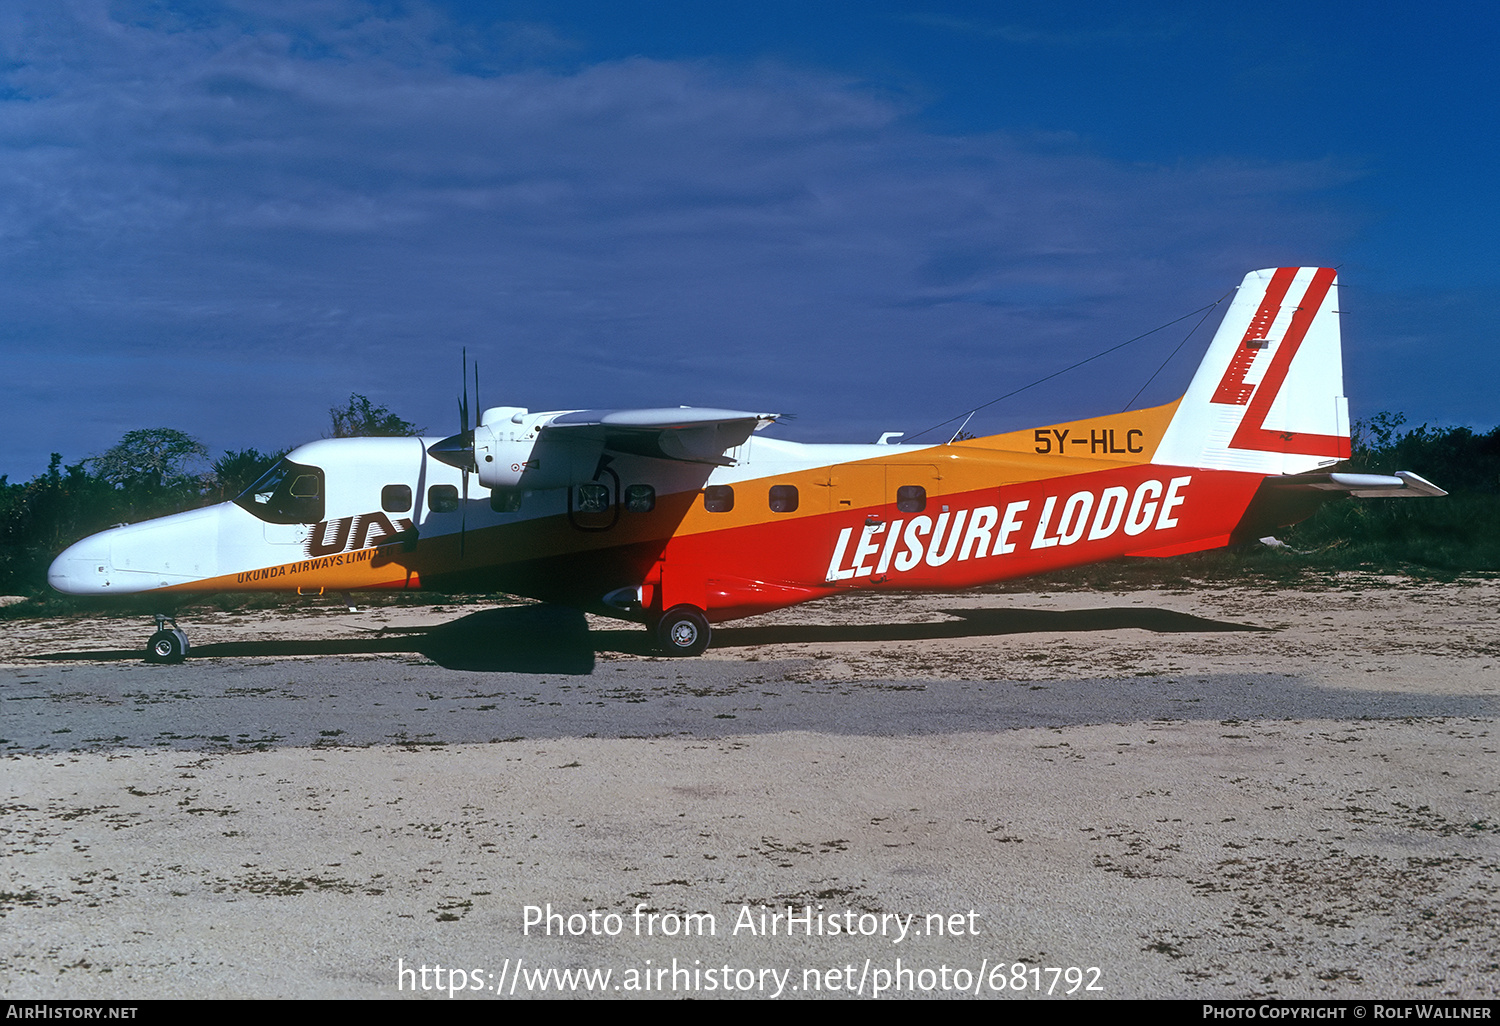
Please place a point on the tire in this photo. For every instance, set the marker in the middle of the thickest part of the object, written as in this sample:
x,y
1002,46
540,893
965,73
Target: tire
x,y
683,631
167,647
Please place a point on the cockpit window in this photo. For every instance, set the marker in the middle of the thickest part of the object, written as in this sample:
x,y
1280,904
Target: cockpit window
x,y
288,493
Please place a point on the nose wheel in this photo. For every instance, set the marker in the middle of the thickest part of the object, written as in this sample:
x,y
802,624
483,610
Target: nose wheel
x,y
168,644
683,631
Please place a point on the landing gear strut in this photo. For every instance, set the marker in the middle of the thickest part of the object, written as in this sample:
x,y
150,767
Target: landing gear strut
x,y
683,631
168,644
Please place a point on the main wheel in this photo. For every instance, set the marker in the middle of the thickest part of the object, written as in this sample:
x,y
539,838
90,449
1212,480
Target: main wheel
x,y
683,631
167,646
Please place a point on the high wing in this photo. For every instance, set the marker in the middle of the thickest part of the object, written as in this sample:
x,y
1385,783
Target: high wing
x,y
685,433
507,443
512,447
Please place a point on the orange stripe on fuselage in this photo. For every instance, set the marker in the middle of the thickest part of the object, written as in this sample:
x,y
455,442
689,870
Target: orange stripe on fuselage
x,y
1130,437
384,566
1077,447
750,541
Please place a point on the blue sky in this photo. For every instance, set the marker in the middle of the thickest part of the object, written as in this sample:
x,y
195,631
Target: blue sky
x,y
226,217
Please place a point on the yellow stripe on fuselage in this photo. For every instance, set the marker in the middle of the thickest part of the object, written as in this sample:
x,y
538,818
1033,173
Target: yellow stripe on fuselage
x,y
996,461
1114,440
1129,438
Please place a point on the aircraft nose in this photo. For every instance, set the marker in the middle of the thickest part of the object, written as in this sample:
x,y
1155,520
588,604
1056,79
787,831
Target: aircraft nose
x,y
83,568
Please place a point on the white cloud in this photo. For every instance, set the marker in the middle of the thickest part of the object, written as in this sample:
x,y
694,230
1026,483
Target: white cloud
x,y
268,201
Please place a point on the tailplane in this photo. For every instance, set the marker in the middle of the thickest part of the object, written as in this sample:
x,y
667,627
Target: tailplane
x,y
1268,397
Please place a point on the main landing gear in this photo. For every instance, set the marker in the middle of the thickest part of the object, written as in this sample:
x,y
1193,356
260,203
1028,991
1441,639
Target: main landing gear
x,y
683,631
168,644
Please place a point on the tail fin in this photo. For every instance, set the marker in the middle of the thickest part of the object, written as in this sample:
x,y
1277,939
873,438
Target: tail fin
x,y
1268,396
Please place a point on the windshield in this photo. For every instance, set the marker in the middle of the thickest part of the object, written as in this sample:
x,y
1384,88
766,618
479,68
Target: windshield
x,y
288,493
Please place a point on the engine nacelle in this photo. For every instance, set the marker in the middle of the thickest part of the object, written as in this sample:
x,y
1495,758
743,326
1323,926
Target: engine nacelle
x,y
503,456
511,452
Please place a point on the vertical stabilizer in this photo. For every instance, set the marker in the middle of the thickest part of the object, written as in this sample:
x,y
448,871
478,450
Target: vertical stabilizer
x,y
1269,395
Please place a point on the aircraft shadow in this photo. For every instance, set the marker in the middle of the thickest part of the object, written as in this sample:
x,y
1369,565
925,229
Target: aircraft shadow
x,y
523,639
977,623
556,639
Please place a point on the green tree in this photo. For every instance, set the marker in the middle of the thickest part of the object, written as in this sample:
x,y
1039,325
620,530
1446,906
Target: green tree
x,y
152,457
1455,458
49,512
363,419
238,469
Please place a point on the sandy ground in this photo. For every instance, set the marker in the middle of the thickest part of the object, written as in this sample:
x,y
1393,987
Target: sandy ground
x,y
1227,792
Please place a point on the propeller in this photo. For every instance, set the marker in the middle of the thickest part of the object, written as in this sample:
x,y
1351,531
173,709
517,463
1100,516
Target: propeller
x,y
473,464
458,450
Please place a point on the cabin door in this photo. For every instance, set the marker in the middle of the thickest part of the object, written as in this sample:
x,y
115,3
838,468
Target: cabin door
x,y
859,517
889,520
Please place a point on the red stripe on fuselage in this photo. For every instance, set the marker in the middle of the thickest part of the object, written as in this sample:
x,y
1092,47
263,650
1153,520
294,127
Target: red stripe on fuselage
x,y
984,535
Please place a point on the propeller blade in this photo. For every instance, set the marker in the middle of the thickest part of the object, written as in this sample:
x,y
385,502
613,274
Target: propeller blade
x,y
458,450
463,380
467,433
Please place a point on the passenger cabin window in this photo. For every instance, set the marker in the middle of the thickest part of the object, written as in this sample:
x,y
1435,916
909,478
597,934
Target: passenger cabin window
x,y
395,498
640,498
506,500
442,498
911,498
718,498
593,498
288,493
783,498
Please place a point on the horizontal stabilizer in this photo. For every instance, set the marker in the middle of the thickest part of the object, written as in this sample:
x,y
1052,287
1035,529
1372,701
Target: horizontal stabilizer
x,y
1403,484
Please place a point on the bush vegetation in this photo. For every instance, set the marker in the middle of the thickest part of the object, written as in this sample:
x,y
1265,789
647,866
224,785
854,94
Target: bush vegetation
x,y
1456,534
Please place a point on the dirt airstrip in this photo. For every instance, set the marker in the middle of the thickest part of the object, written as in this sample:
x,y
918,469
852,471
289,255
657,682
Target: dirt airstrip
x,y
1215,791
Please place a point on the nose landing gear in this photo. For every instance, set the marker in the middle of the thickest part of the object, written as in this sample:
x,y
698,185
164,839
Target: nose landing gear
x,y
168,644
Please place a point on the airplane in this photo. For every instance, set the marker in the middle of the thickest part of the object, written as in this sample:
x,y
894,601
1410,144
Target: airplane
x,y
685,517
